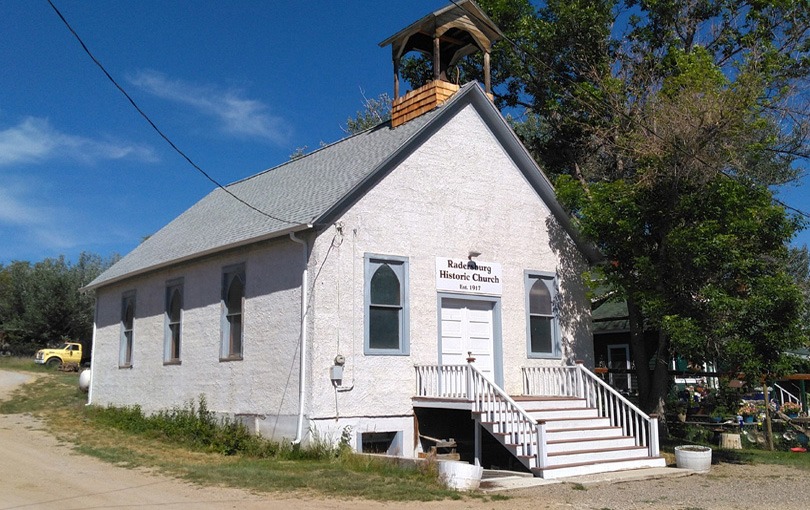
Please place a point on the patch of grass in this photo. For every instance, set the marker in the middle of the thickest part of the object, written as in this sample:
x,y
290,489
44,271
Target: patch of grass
x,y
22,364
578,487
189,442
327,477
499,497
49,392
753,456
744,456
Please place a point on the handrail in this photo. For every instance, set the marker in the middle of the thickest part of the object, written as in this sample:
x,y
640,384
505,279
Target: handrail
x,y
790,396
578,381
489,401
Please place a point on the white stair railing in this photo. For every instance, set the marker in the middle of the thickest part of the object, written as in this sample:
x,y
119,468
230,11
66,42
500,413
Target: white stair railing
x,y
442,381
785,395
489,402
577,381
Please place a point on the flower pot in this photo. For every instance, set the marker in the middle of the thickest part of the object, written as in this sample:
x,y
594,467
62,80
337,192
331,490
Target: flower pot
x,y
696,458
460,475
793,415
748,419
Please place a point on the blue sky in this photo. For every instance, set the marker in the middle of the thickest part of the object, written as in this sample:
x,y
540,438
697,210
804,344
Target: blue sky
x,y
238,86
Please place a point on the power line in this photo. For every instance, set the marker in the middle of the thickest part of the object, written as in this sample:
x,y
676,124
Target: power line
x,y
154,126
623,114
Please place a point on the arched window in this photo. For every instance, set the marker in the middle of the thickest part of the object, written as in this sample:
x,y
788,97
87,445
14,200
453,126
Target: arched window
x,y
174,312
542,323
233,301
385,312
127,329
386,306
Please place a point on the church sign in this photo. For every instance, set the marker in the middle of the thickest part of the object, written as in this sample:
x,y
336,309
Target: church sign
x,y
468,276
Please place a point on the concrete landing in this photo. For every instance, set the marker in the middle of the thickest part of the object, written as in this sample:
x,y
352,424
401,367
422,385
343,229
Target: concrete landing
x,y
494,481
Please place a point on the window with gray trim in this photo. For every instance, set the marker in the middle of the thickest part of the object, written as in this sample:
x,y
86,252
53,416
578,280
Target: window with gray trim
x,y
127,329
174,317
386,305
542,327
233,301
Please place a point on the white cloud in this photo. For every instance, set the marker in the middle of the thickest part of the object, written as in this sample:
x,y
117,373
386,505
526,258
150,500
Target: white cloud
x,y
33,140
17,212
30,224
238,115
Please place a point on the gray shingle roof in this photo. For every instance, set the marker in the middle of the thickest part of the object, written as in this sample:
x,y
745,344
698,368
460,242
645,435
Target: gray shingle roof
x,y
312,189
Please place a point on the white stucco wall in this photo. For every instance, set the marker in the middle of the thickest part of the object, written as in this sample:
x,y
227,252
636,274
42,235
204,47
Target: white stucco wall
x,y
263,383
459,192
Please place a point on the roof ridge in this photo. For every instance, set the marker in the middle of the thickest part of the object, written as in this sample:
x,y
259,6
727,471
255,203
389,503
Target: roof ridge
x,y
469,84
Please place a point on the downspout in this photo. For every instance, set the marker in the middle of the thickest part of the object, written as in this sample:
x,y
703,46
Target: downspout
x,y
92,349
303,336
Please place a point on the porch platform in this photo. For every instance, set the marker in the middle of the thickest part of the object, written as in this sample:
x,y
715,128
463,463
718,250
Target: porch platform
x,y
467,405
443,403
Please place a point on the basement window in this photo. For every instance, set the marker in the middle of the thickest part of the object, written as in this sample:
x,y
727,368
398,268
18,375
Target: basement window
x,y
389,443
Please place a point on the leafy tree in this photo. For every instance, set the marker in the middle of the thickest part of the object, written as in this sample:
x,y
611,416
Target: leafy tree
x,y
375,111
41,303
798,266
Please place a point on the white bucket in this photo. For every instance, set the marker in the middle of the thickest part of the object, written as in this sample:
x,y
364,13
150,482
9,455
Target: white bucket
x,y
460,475
696,458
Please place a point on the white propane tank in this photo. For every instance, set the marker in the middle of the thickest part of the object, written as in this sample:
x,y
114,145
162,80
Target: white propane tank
x,y
84,380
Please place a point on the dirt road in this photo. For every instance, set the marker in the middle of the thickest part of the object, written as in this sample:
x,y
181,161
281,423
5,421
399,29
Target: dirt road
x,y
36,471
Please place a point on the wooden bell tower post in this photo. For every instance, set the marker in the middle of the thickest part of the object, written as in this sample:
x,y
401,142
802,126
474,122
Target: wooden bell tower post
x,y
445,36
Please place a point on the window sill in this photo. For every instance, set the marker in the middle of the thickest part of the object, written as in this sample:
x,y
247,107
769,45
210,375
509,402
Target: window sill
x,y
172,362
386,353
125,366
543,355
231,358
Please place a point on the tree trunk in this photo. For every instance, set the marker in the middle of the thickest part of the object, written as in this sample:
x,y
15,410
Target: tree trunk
x,y
652,384
639,347
768,426
659,382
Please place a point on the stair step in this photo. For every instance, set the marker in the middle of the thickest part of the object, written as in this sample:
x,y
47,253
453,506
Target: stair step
x,y
581,433
558,424
586,468
596,455
564,412
539,404
589,444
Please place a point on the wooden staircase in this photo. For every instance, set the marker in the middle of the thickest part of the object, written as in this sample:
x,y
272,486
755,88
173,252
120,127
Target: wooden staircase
x,y
579,425
577,440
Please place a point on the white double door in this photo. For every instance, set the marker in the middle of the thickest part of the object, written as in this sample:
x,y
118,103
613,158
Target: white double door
x,y
468,330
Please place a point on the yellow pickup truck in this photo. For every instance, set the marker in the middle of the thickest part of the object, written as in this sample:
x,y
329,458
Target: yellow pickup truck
x,y
69,353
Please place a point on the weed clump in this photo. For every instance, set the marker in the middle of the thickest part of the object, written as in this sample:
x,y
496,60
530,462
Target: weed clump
x,y
194,426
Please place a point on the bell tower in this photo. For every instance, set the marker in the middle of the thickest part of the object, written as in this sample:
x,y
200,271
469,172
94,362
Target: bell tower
x,y
445,36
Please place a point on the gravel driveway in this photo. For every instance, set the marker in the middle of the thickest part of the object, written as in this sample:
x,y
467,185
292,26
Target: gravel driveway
x,y
36,471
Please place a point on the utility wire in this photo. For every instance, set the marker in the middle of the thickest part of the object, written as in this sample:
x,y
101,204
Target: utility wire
x,y
626,116
157,129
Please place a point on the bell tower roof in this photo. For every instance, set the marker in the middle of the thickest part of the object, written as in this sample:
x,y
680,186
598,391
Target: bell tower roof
x,y
446,36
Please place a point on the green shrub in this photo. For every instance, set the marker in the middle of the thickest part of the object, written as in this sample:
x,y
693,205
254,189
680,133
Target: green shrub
x,y
196,427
